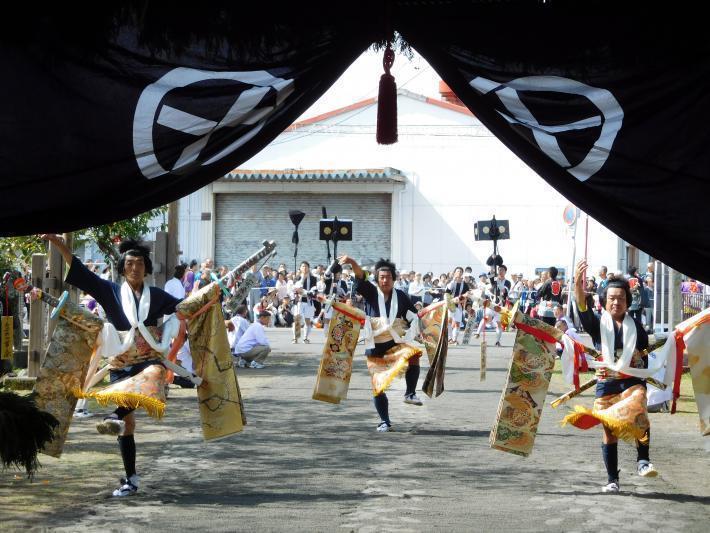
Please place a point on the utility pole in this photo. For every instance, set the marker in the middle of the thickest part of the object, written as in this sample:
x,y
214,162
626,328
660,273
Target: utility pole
x,y
173,250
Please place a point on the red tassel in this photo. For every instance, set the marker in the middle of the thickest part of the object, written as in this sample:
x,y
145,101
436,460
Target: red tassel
x,y
387,103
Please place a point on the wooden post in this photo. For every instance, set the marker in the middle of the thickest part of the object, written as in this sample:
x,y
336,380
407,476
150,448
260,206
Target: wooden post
x,y
160,249
54,284
37,319
173,249
73,291
675,300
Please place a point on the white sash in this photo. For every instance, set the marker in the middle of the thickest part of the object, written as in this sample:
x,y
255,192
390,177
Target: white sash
x,y
386,321
109,341
606,326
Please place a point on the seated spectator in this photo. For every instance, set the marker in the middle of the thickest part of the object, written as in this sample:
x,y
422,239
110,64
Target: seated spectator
x,y
264,305
284,315
253,348
205,278
559,312
174,286
567,330
237,326
570,332
283,286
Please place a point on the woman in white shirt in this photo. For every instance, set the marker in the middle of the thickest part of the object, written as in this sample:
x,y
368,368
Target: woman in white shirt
x,y
416,289
283,286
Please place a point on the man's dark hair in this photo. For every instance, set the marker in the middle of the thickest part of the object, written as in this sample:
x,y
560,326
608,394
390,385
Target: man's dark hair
x,y
386,264
135,249
553,272
459,268
306,263
241,310
616,283
632,270
468,269
504,268
180,270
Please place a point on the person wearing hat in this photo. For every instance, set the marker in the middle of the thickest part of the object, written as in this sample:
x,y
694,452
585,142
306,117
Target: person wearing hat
x,y
253,348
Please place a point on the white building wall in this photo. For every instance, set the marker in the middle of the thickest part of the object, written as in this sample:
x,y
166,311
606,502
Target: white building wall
x,y
194,234
457,173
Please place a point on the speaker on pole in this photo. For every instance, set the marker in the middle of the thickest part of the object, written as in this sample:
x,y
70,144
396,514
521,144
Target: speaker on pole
x,y
296,217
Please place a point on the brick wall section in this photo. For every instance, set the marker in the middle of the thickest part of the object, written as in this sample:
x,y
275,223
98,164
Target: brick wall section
x,y
243,221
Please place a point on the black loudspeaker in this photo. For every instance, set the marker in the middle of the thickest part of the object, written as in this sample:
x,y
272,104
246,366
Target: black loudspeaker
x,y
334,229
296,216
491,230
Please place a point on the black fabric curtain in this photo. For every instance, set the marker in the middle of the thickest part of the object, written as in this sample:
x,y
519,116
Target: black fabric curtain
x,y
148,102
106,119
611,111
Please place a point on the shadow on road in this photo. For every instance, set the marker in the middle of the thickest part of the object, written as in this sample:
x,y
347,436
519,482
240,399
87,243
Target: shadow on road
x,y
450,432
680,498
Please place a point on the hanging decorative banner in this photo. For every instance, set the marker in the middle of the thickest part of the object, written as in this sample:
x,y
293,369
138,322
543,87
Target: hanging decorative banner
x,y
219,397
64,368
433,324
524,394
336,364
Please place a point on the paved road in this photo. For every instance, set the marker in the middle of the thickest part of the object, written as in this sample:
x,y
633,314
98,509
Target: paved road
x,y
302,465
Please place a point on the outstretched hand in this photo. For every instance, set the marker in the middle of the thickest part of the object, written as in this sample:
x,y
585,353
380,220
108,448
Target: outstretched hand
x,y
580,273
53,238
58,241
347,260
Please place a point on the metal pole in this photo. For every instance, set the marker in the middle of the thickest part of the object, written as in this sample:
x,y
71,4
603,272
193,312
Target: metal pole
x,y
569,277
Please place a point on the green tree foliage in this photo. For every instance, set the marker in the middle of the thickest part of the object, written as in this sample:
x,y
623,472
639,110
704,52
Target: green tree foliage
x,y
16,252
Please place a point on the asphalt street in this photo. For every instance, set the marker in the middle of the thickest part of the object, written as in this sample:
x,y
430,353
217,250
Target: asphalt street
x,y
303,465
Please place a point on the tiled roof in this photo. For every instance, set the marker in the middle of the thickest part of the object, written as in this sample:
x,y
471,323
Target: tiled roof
x,y
366,175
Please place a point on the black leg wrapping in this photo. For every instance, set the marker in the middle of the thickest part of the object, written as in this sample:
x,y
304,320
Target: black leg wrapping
x,y
610,453
127,445
643,449
411,377
382,406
